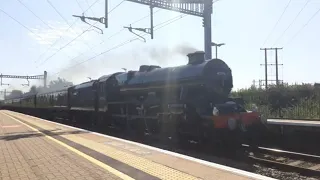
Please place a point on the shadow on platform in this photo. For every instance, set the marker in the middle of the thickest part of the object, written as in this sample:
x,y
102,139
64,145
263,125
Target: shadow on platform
x,y
32,134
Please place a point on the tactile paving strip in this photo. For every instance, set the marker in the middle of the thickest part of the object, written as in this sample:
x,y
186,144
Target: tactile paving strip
x,y
152,168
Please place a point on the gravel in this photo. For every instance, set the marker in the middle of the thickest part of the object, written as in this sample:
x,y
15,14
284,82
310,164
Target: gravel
x,y
274,173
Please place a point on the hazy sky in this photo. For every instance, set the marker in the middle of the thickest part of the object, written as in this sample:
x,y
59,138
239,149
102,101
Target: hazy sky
x,y
243,25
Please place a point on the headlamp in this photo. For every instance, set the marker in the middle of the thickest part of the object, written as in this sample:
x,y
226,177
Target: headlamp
x,y
215,111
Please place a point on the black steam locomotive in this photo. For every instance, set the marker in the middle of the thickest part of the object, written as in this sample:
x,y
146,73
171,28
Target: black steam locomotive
x,y
184,102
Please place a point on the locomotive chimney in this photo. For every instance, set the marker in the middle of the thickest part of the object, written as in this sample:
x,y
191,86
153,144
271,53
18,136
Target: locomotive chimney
x,y
196,57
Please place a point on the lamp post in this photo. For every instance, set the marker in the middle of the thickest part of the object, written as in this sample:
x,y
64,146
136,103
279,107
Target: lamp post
x,y
217,45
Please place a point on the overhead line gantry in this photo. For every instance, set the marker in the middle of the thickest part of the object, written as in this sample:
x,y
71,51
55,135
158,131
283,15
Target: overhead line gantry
x,y
199,8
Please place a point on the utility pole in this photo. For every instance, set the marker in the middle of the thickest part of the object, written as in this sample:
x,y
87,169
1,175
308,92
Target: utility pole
x,y
106,9
266,64
277,73
4,92
207,11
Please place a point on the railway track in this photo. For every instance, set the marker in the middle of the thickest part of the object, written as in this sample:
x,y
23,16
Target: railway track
x,y
305,164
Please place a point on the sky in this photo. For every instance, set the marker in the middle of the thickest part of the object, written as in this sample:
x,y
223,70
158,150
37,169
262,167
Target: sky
x,y
39,39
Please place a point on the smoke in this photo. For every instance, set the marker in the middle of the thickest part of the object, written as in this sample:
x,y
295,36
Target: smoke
x,y
184,50
131,60
164,55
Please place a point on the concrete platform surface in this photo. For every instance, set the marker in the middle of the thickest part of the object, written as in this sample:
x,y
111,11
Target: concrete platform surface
x,y
33,148
294,122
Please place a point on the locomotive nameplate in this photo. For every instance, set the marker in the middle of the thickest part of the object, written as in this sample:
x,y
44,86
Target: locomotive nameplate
x,y
135,150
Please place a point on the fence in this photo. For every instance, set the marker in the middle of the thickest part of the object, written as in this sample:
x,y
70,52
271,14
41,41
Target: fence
x,y
303,104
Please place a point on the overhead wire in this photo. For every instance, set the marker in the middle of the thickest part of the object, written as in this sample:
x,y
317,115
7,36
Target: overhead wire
x,y
173,19
116,6
305,25
296,17
77,36
114,34
119,45
145,17
80,6
122,29
57,11
35,14
22,24
274,27
57,40
90,8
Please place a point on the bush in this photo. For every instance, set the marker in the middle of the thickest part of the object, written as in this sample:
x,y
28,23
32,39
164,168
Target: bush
x,y
286,101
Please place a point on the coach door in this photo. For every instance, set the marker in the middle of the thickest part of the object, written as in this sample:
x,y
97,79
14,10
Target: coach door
x,y
102,105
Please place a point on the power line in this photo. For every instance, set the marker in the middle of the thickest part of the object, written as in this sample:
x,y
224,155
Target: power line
x,y
79,5
118,32
58,12
116,6
21,24
145,17
173,19
120,45
313,16
77,36
292,22
90,8
57,40
274,27
67,44
65,18
34,13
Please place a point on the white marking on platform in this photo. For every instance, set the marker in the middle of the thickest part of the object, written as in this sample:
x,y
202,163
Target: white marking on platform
x,y
128,148
214,165
290,122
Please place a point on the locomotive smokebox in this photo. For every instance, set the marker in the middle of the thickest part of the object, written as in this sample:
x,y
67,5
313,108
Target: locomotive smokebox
x,y
196,57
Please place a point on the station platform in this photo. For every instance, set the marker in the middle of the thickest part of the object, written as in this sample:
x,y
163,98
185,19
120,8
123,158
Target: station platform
x,y
33,148
295,122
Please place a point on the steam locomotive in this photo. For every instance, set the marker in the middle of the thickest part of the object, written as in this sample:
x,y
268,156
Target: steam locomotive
x,y
184,102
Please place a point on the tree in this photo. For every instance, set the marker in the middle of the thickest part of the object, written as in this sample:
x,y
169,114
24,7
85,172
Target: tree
x,y
55,85
59,84
14,94
33,89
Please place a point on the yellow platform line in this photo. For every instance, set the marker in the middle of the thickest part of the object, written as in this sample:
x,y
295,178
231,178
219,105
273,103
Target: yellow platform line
x,y
91,159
